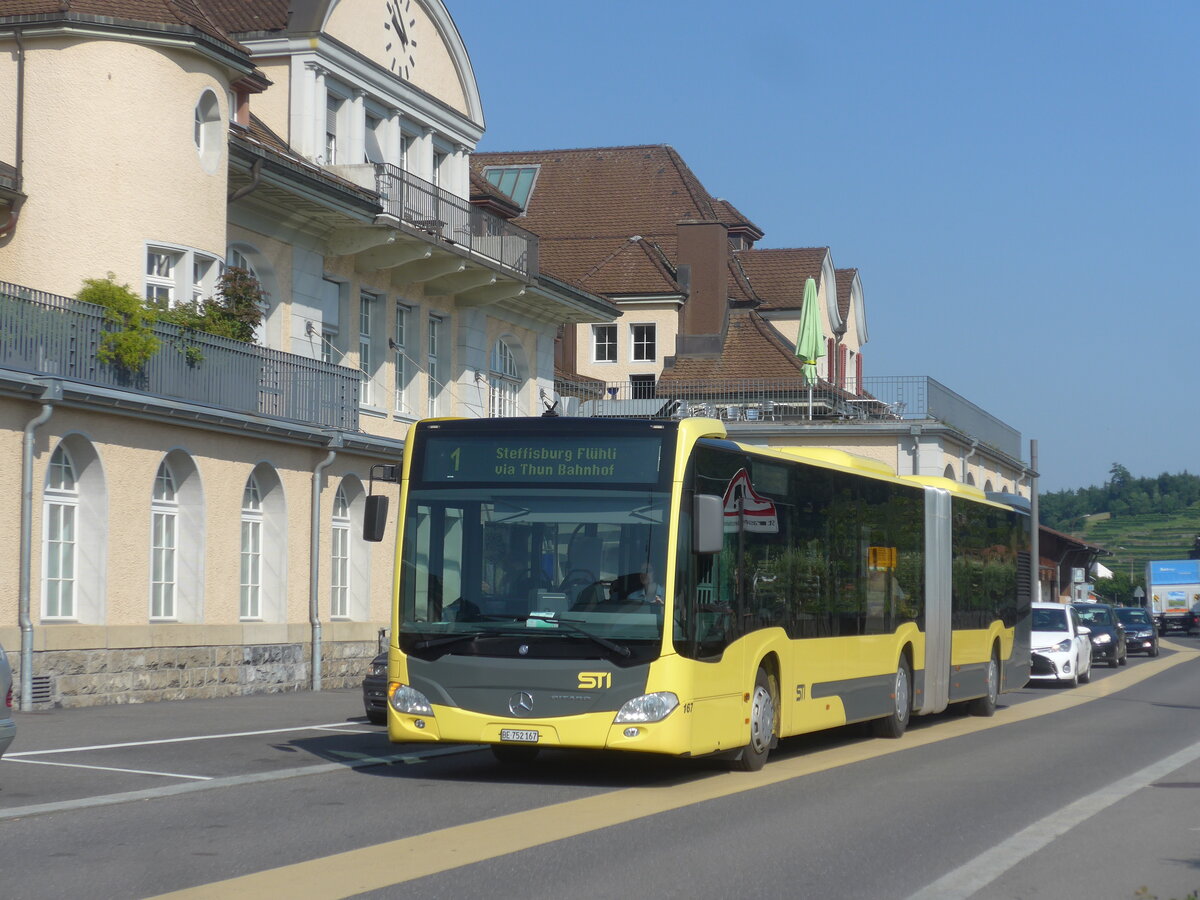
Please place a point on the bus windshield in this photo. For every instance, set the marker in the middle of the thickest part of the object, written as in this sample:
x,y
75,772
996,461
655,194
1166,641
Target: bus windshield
x,y
578,567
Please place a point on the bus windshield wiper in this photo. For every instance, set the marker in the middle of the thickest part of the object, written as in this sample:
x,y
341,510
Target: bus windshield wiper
x,y
449,639
574,626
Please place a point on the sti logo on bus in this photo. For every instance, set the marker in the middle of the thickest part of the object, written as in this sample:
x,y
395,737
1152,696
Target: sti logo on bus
x,y
594,681
743,505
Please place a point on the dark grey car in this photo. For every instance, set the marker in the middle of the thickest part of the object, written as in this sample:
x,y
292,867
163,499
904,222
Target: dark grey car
x,y
375,690
1141,635
1108,635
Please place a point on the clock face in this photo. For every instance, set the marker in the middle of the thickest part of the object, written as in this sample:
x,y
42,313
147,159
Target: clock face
x,y
399,46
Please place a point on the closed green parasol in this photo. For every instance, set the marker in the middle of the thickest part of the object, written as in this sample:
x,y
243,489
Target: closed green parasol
x,y
810,342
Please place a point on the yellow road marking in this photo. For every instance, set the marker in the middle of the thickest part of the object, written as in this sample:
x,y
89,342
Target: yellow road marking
x,y
406,859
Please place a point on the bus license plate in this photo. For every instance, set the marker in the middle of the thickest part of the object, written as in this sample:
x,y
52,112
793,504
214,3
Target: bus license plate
x,y
513,734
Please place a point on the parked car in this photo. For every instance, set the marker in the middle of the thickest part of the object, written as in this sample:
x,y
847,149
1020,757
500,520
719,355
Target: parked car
x,y
1108,636
1141,634
1062,647
375,690
8,728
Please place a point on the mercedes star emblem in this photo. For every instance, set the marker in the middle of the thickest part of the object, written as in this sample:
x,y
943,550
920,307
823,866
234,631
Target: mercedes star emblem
x,y
520,704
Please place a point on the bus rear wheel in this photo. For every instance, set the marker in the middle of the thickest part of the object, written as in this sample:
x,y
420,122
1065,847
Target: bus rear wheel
x,y
895,724
764,723
986,705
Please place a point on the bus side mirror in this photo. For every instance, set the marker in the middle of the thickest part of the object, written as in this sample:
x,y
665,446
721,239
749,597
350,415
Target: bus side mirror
x,y
375,517
708,523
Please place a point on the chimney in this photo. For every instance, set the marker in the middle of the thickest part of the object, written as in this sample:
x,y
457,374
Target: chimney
x,y
704,250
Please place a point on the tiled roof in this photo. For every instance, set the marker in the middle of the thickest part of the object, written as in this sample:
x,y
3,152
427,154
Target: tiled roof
x,y
588,204
845,278
189,13
240,16
753,349
778,275
730,216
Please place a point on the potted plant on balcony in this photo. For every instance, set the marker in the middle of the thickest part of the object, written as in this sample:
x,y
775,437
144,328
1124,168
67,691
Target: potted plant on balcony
x,y
128,341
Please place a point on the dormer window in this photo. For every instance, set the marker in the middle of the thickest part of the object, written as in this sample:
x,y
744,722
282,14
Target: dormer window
x,y
515,181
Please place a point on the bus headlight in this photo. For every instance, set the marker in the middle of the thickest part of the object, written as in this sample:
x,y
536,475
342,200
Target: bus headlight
x,y
648,708
405,699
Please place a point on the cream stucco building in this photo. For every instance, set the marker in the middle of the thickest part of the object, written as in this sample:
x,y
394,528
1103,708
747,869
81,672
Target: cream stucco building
x,y
191,528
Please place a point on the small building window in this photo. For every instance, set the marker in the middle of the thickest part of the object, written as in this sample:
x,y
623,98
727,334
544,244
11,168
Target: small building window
x,y
644,343
503,383
604,343
515,181
208,131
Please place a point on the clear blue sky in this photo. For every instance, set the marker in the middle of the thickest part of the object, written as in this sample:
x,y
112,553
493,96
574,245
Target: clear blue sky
x,y
1018,183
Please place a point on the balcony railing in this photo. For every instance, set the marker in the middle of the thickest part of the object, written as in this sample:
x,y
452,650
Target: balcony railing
x,y
45,334
438,212
883,399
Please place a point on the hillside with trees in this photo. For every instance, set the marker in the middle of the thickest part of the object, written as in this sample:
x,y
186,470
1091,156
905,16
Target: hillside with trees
x,y
1135,519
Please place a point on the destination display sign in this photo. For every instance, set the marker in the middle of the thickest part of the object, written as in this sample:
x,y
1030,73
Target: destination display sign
x,y
529,459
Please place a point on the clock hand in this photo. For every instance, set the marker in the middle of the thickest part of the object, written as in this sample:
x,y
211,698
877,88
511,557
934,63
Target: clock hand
x,y
400,32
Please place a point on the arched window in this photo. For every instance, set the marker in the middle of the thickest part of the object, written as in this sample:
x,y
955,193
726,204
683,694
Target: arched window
x,y
208,131
503,382
339,604
164,528
350,555
949,473
252,544
987,485
61,514
263,567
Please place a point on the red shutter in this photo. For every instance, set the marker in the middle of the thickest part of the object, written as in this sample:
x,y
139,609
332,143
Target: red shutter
x,y
830,364
858,385
841,368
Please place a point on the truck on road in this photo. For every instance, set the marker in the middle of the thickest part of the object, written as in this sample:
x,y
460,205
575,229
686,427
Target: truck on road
x,y
1174,594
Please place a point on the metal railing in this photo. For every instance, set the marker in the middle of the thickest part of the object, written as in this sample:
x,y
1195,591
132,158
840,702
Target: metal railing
x,y
881,399
46,334
438,212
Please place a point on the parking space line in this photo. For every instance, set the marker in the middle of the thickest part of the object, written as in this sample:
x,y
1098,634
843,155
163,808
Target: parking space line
x,y
179,740
46,762
173,790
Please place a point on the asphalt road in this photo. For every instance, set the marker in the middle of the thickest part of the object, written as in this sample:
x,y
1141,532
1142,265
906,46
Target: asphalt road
x,y
1092,792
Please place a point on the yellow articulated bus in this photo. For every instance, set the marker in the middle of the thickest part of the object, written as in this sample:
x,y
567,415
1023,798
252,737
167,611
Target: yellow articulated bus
x,y
653,586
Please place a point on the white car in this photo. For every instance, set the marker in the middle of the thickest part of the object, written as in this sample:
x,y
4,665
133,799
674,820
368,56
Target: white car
x,y
8,728
1062,648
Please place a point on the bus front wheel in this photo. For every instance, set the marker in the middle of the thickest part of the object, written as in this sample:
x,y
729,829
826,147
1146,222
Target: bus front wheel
x,y
986,705
764,723
894,724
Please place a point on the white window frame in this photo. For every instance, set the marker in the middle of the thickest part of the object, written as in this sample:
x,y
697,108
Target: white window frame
x,y
164,544
335,108
604,336
643,342
400,334
339,599
368,309
504,385
60,515
432,364
191,273
250,608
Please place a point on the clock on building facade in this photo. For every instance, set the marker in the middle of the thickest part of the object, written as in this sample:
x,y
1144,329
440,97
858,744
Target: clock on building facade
x,y
399,46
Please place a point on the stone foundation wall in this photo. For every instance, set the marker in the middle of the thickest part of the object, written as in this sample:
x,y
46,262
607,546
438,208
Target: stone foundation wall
x,y
102,677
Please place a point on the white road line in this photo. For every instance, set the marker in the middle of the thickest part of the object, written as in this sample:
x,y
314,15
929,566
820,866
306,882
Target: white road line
x,y
47,762
977,874
21,812
180,740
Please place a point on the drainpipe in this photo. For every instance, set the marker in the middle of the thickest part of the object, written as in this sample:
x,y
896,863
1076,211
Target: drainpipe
x,y
314,561
966,460
255,181
53,391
